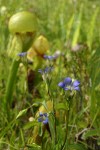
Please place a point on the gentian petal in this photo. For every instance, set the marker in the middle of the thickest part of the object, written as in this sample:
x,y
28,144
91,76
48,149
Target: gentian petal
x,y
76,83
48,69
67,81
40,71
49,57
45,70
66,89
61,84
45,121
40,114
22,54
40,119
77,88
45,114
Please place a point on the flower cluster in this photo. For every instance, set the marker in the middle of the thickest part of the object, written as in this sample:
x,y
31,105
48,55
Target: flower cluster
x,y
49,57
53,57
43,117
45,70
68,84
22,54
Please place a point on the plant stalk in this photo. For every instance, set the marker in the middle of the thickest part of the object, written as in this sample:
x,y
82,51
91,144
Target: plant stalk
x,y
67,123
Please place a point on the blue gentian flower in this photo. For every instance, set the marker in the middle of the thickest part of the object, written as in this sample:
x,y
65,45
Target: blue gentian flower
x,y
68,84
22,54
46,70
43,117
49,57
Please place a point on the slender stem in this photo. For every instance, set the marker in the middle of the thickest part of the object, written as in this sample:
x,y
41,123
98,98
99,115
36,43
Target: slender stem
x,y
54,111
54,121
67,123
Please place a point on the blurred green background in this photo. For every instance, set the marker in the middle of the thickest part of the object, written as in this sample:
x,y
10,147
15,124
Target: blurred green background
x,y
71,26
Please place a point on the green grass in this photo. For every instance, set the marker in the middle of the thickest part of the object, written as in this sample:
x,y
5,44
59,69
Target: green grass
x,y
73,27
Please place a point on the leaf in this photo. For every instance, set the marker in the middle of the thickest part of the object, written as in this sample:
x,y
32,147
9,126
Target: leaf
x,y
36,104
22,112
91,29
77,147
63,106
69,26
44,104
98,141
90,133
51,126
78,26
40,130
30,125
34,146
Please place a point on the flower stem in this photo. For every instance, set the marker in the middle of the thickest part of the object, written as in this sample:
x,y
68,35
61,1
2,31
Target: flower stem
x,y
67,123
54,121
54,111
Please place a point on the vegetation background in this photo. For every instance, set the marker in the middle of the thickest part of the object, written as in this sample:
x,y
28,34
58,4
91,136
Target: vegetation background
x,y
73,28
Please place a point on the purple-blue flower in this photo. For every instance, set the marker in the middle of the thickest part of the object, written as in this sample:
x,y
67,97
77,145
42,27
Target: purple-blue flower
x,y
68,84
43,117
49,57
45,70
22,54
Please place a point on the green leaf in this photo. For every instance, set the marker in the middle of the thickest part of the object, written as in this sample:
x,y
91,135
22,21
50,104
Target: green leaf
x,y
77,147
34,146
40,129
44,104
51,126
30,124
98,141
36,104
63,106
22,112
90,133
77,29
91,29
69,26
